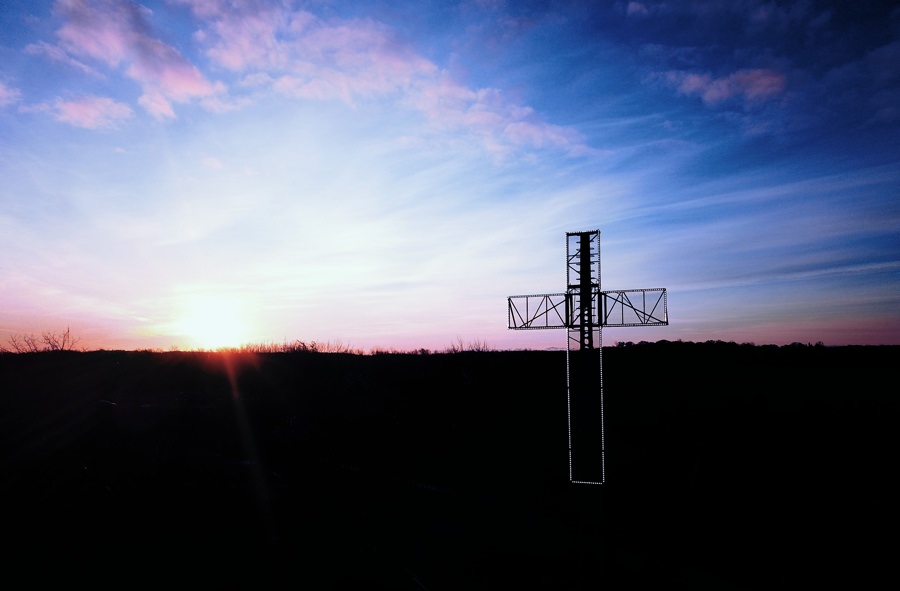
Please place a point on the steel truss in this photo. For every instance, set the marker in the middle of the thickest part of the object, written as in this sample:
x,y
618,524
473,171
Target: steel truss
x,y
616,309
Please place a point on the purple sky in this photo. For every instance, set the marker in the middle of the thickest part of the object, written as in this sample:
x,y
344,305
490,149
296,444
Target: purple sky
x,y
196,173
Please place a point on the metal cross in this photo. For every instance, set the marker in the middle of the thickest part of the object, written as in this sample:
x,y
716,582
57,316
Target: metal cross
x,y
584,310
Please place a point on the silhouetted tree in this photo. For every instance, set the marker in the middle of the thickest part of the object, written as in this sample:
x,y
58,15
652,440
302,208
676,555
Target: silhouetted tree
x,y
48,341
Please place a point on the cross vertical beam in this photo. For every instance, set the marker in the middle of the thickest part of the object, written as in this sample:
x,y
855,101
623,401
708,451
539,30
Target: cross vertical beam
x,y
586,311
586,289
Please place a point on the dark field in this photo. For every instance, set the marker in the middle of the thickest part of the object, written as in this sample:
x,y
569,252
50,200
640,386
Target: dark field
x,y
729,467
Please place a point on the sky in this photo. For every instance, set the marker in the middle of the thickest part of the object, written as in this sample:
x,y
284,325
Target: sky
x,y
383,174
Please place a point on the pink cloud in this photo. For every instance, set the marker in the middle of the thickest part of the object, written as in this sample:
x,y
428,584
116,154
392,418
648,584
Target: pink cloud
x,y
250,41
213,162
8,95
541,135
92,112
353,58
156,104
56,54
484,113
101,29
636,9
753,86
116,33
324,85
204,8
298,54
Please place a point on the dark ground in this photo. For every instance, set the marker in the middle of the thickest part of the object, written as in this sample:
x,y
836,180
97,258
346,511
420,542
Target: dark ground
x,y
729,467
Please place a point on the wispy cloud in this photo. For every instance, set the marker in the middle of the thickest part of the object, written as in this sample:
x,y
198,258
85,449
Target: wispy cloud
x,y
756,14
117,33
750,86
298,54
885,98
275,48
636,9
213,162
93,112
485,114
8,95
798,64
56,54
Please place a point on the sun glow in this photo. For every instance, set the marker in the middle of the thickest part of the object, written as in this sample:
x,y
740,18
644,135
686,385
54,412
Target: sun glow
x,y
211,322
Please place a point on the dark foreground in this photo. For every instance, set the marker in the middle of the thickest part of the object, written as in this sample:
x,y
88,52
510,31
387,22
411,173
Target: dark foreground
x,y
729,467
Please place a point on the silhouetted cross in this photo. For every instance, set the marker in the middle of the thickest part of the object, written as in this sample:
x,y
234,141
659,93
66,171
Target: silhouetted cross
x,y
584,310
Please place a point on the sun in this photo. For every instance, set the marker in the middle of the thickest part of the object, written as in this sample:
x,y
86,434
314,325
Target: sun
x,y
212,322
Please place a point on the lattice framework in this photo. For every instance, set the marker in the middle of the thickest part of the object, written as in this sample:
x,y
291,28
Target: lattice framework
x,y
583,310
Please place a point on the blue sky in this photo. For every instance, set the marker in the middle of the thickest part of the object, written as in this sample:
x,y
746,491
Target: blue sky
x,y
195,173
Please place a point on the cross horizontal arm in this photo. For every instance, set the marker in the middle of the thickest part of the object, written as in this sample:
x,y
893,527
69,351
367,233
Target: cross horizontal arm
x,y
617,308
634,307
537,311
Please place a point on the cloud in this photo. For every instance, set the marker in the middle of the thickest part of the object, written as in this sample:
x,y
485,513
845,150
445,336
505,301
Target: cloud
x,y
883,62
885,105
117,33
213,162
274,48
100,29
55,54
308,56
8,95
866,89
92,112
753,86
485,114
636,9
249,36
298,54
758,14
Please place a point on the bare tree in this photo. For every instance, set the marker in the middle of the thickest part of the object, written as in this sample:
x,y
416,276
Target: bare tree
x,y
58,342
460,346
24,343
48,341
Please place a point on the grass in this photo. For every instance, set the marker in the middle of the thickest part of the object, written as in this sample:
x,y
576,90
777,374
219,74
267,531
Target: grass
x,y
64,341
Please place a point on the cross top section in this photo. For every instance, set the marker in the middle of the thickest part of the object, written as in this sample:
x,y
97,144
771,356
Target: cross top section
x,y
583,307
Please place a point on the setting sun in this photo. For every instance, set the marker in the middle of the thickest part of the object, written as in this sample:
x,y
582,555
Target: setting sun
x,y
210,322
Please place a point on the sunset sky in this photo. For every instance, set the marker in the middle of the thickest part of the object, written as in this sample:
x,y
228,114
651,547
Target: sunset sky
x,y
196,173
